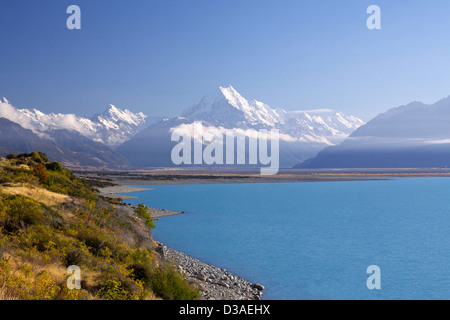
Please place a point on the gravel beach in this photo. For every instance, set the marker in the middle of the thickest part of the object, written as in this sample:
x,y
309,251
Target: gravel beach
x,y
215,283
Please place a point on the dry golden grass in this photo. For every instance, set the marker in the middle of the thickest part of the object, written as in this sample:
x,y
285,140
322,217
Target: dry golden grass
x,y
39,194
6,293
5,162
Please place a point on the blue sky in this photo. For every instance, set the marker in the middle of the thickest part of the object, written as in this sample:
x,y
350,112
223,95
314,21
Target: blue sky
x,y
160,57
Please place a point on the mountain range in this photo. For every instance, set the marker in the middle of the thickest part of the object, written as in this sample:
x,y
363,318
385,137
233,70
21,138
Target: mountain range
x,y
302,133
415,135
112,127
77,142
69,147
119,138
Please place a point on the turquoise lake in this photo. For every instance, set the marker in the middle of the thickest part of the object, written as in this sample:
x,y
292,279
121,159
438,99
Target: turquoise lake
x,y
315,240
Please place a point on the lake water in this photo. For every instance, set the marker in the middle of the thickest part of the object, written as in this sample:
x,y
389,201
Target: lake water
x,y
315,240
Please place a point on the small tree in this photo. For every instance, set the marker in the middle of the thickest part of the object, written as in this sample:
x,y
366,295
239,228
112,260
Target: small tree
x,y
144,211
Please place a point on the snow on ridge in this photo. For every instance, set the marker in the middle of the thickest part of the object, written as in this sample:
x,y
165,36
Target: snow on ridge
x,y
125,116
223,108
227,108
112,128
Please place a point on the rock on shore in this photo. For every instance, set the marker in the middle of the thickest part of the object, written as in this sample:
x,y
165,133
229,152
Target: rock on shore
x,y
214,283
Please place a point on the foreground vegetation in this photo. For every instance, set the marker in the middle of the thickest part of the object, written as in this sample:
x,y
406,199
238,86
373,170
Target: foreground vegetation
x,y
50,220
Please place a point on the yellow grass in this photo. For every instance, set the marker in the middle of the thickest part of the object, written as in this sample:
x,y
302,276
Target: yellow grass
x,y
39,194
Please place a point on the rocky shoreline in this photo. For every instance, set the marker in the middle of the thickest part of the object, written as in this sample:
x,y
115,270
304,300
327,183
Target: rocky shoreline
x,y
215,283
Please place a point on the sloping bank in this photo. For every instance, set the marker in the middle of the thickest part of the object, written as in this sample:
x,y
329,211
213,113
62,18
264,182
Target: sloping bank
x,y
52,224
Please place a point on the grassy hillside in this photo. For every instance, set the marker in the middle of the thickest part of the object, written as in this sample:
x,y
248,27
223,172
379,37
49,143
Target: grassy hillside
x,y
50,219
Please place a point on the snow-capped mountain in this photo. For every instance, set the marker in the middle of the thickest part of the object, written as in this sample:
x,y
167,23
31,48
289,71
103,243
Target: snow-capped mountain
x,y
227,108
68,147
112,127
118,126
146,141
302,133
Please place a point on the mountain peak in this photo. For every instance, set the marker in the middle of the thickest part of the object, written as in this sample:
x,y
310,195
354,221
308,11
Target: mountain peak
x,y
230,90
113,111
221,93
234,97
118,115
113,108
226,106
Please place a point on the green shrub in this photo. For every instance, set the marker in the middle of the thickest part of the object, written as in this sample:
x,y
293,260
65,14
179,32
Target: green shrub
x,y
114,290
20,212
74,256
143,211
140,272
142,256
167,283
38,157
65,182
54,166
